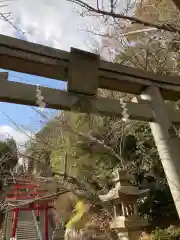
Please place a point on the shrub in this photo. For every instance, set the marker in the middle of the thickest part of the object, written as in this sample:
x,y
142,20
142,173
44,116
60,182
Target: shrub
x,y
171,233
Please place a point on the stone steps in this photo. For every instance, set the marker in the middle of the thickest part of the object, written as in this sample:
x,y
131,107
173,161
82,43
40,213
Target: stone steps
x,y
26,228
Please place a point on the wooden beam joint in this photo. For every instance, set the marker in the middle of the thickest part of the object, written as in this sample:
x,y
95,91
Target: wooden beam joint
x,y
82,103
83,72
4,76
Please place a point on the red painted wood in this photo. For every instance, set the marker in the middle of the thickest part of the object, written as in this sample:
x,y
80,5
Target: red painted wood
x,y
15,220
46,232
33,191
34,208
17,186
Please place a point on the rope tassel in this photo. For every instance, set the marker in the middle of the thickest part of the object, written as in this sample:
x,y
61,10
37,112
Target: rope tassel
x,y
40,99
125,110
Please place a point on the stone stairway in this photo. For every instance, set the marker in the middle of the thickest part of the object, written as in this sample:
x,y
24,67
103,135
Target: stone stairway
x,y
8,226
26,228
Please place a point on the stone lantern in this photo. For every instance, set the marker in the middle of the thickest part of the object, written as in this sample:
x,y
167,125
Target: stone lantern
x,y
124,195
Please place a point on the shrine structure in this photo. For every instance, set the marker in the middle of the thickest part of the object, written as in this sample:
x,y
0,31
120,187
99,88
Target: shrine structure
x,y
27,199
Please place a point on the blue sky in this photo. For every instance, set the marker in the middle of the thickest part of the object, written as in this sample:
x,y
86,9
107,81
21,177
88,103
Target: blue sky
x,y
47,23
24,115
20,121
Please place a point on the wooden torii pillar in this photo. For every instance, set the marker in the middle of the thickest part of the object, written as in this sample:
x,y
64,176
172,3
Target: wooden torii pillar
x,y
167,142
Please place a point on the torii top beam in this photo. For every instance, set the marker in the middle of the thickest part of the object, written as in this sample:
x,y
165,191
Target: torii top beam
x,y
26,57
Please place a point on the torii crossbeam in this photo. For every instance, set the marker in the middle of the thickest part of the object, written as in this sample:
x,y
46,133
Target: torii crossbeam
x,y
85,73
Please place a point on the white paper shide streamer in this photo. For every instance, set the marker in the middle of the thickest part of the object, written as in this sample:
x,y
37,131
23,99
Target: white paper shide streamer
x,y
40,99
125,110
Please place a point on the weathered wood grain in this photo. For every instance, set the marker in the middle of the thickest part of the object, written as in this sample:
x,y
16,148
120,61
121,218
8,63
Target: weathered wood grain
x,y
83,72
31,58
20,93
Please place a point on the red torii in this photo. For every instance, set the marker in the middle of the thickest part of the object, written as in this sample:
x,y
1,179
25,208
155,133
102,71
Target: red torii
x,y
30,191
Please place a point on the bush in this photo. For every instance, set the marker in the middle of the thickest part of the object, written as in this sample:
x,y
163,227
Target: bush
x,y
171,233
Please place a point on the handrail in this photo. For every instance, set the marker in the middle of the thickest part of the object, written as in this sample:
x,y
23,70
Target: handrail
x,y
5,225
37,226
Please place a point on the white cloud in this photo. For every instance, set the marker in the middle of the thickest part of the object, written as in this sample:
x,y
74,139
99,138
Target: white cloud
x,y
54,23
21,137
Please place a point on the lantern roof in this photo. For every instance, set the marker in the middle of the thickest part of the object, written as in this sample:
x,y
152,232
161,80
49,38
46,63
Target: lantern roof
x,y
123,186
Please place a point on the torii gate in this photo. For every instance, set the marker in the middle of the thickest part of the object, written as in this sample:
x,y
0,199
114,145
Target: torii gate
x,y
86,73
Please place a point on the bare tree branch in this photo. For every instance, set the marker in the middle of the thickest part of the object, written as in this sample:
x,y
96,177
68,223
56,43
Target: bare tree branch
x,y
165,27
68,178
6,17
97,141
122,34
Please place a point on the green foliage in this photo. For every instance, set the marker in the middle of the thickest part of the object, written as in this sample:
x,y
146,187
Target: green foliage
x,y
159,206
8,154
171,233
155,52
131,141
4,148
8,160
